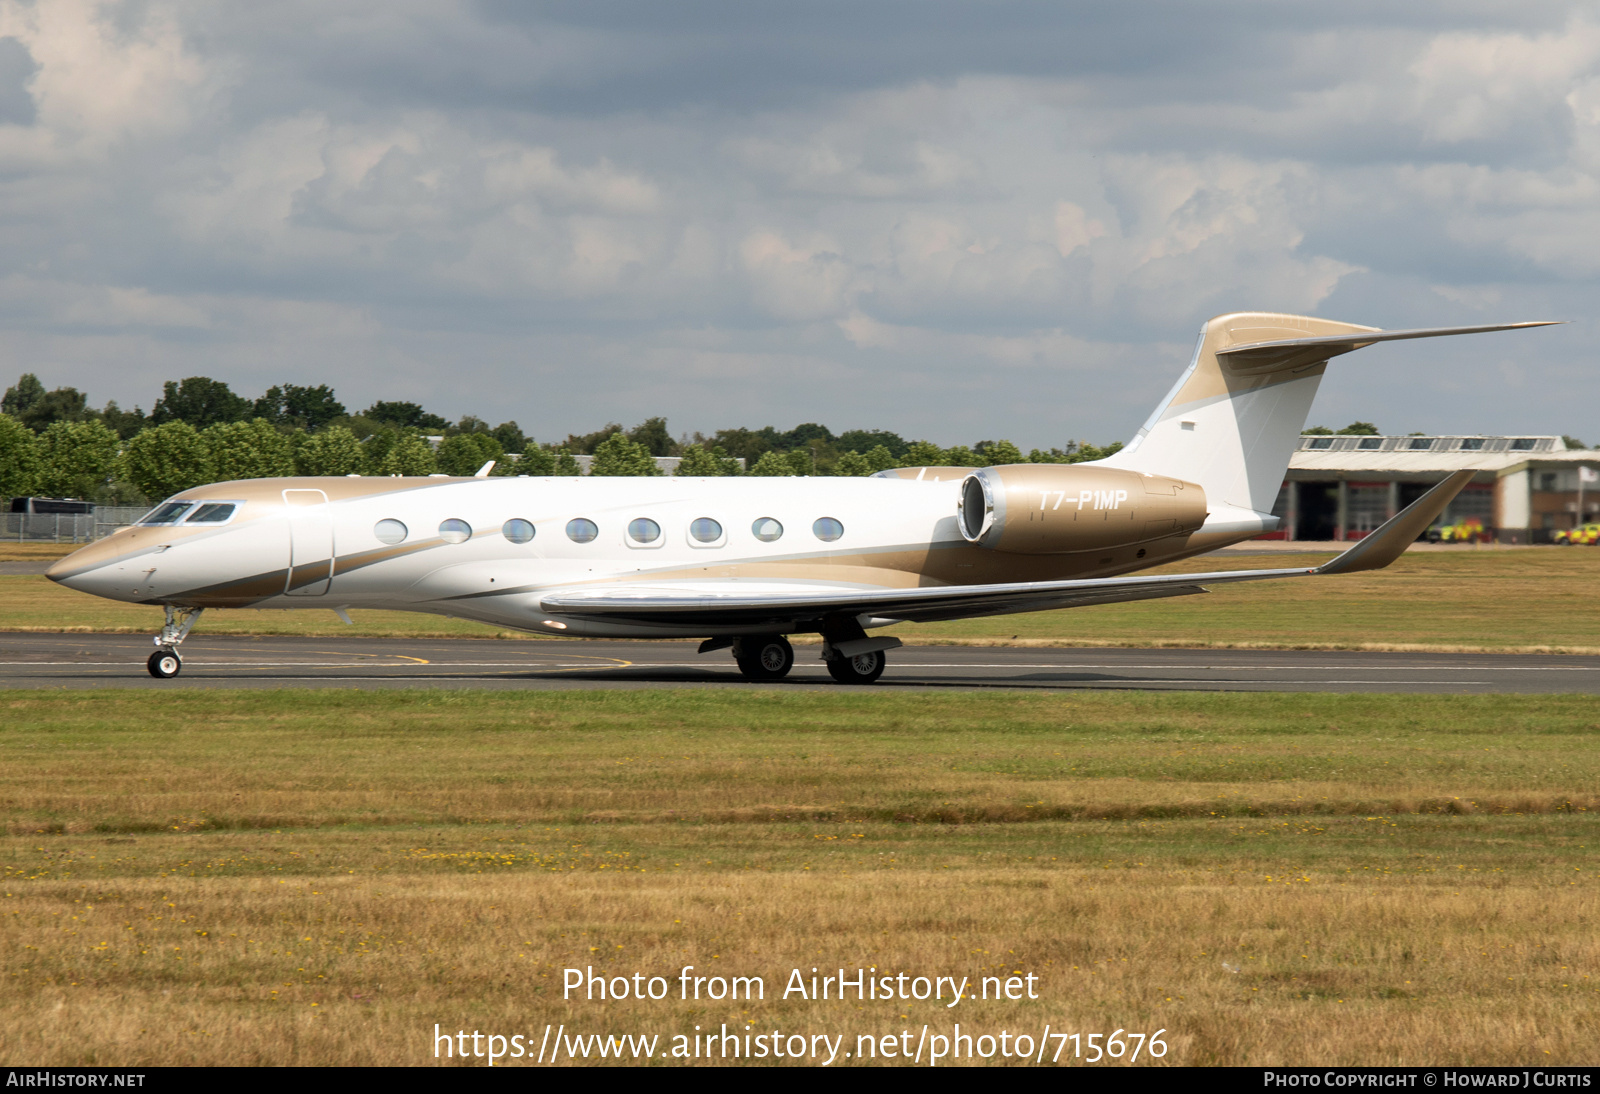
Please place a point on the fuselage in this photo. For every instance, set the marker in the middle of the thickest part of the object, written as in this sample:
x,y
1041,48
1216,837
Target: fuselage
x,y
485,548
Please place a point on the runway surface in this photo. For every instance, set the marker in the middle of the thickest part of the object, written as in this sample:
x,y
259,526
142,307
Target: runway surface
x,y
70,661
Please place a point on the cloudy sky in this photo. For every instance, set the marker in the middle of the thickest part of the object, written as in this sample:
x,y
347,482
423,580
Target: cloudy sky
x,y
954,220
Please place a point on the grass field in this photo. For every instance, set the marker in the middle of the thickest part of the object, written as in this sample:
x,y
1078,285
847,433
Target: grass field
x,y
319,877
1533,599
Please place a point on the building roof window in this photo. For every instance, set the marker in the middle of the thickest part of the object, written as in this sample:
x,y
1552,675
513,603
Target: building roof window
x,y
1369,443
1522,444
1420,444
1321,442
1472,444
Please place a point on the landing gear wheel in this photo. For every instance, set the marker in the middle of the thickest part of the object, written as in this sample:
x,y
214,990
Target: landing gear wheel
x,y
164,664
763,659
862,669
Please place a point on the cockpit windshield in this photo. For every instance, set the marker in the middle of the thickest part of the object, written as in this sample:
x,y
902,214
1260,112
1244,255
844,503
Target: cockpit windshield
x,y
168,512
212,512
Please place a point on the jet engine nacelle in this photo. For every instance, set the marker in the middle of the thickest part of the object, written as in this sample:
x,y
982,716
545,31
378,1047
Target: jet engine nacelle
x,y
1050,509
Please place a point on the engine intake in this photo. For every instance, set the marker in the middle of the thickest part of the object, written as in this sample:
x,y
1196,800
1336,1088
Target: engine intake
x,y
1050,509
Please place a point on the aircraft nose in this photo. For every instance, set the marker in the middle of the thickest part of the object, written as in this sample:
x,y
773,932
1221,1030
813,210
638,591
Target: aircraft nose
x,y
86,568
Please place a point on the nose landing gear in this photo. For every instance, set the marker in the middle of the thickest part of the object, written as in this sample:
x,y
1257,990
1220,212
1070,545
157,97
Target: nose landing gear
x,y
165,663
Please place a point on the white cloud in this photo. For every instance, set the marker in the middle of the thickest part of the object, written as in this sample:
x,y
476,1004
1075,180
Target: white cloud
x,y
587,221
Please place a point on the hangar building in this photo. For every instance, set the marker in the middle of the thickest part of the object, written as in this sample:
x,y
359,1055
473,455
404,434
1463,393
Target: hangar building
x,y
1526,489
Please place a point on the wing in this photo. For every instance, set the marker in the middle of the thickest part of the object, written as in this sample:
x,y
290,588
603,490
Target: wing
x,y
738,604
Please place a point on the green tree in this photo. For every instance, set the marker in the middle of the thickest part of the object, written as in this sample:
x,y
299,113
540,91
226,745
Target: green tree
x,y
334,451
922,454
749,445
800,462
1572,442
464,453
698,463
999,453
22,396
585,444
617,456
865,440
1316,431
880,458
76,459
19,457
961,456
853,465
701,460
409,455
165,459
772,465
652,433
566,466
124,423
308,408
803,435
535,462
64,404
1359,429
404,416
248,450
511,437
200,401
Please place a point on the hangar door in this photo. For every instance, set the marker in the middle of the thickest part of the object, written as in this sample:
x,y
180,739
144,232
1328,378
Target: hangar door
x,y
310,542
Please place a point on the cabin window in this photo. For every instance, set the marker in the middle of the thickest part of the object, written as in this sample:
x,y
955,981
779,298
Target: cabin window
x,y
166,513
454,530
827,529
390,532
517,530
644,530
213,512
705,530
582,530
766,529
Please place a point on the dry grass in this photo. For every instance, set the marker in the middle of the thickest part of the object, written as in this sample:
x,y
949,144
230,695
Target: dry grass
x,y
320,877
28,551
1532,600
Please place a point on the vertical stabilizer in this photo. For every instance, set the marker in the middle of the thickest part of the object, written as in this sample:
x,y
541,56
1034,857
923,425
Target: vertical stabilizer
x,y
1231,426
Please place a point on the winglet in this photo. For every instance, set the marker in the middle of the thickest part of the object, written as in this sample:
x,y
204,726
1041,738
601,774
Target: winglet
x,y
483,472
1389,542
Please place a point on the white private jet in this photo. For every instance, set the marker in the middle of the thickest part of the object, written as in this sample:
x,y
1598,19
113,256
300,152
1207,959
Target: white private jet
x,y
742,562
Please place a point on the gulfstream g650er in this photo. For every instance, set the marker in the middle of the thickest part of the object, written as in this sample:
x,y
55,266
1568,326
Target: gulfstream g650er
x,y
742,562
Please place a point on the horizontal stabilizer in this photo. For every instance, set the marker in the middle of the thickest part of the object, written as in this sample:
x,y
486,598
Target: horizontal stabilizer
x,y
1253,358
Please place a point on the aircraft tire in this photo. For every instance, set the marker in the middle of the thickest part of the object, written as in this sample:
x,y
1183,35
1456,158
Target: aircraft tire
x,y
164,664
864,669
764,659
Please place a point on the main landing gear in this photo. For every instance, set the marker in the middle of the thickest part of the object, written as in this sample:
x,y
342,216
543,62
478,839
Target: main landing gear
x,y
863,668
165,663
851,657
764,658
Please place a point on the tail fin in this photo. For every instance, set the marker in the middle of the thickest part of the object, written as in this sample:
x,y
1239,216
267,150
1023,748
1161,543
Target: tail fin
x,y
1233,418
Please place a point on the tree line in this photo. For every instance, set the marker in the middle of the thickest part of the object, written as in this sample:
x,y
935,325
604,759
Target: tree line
x,y
53,443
